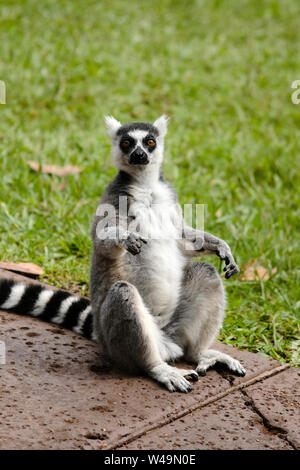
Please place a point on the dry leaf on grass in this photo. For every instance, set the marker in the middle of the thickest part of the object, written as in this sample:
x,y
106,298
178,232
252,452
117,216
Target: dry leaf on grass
x,y
62,186
24,268
253,272
54,169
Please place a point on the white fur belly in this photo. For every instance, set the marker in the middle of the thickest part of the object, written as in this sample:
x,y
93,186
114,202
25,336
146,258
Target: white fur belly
x,y
157,270
157,273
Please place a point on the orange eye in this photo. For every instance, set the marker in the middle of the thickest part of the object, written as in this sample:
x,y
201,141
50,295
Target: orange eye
x,y
150,142
125,143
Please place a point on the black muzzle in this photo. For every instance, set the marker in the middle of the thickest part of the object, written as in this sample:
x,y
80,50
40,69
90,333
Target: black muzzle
x,y
138,157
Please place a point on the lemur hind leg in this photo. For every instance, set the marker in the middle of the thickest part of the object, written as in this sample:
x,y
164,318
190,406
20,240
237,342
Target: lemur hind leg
x,y
199,317
131,339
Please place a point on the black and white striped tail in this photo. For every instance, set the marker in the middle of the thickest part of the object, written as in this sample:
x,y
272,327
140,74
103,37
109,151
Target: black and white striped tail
x,y
60,307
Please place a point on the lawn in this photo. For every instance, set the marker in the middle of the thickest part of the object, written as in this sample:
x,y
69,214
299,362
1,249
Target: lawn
x,y
222,71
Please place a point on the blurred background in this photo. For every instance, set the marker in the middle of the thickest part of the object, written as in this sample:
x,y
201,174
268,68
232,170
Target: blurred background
x,y
222,71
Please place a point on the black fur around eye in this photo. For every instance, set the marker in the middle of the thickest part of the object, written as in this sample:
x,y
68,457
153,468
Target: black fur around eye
x,y
149,143
126,143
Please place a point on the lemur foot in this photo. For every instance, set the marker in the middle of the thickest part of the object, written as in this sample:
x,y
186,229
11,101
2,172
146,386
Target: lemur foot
x,y
172,378
211,357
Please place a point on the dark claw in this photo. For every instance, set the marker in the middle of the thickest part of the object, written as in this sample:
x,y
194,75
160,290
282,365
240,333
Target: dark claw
x,y
194,377
231,270
133,250
241,374
202,373
238,373
229,274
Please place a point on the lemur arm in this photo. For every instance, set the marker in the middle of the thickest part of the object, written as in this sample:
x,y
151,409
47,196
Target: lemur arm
x,y
199,243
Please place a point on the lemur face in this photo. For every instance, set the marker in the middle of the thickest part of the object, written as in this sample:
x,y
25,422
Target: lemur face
x,y
138,144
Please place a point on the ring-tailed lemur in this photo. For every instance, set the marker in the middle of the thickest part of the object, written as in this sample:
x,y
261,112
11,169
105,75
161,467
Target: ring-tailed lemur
x,y
150,304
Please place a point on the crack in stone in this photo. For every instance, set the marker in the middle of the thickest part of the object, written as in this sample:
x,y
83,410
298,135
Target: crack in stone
x,y
173,417
277,430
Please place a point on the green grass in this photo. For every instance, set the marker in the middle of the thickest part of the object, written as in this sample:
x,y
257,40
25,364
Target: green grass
x,y
222,71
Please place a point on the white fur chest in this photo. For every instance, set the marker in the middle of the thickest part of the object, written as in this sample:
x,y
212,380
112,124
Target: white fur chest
x,y
156,215
157,270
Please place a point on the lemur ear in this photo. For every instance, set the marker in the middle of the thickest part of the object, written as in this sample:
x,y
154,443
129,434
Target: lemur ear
x,y
161,124
112,125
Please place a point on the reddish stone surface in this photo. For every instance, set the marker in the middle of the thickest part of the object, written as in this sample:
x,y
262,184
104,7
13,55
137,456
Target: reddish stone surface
x,y
277,399
56,394
226,424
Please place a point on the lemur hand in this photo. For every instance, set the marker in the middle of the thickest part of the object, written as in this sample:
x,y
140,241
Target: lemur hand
x,y
224,253
133,243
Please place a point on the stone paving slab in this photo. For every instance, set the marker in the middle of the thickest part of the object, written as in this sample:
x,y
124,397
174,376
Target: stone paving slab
x,y
56,394
277,400
226,424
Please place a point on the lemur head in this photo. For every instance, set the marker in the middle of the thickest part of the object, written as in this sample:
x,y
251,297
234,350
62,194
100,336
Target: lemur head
x,y
138,144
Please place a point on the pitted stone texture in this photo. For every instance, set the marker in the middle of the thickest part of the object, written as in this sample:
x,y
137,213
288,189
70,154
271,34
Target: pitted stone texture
x,y
56,394
228,424
278,400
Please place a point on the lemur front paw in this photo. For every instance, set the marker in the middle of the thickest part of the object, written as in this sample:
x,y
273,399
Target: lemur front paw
x,y
225,254
133,243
